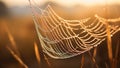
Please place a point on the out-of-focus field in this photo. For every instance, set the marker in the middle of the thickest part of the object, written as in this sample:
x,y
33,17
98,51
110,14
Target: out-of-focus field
x,y
23,33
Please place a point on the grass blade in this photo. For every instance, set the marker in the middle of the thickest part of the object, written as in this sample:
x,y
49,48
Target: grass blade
x,y
82,61
12,41
93,59
17,58
37,53
47,61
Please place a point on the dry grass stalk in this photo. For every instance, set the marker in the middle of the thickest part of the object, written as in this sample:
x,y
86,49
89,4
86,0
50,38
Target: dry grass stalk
x,y
47,61
117,49
93,59
109,42
116,54
17,58
95,51
106,65
82,61
37,53
13,43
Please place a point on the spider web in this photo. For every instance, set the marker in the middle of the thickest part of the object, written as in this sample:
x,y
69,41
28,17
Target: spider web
x,y
62,38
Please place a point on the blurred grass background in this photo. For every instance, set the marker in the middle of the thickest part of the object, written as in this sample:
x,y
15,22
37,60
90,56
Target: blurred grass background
x,y
18,21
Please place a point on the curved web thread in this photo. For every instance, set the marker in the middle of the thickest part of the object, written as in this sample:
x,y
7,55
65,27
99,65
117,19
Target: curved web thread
x,y
62,38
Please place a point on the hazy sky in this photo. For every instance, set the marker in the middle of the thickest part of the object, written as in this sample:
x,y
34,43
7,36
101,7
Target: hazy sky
x,y
62,2
20,2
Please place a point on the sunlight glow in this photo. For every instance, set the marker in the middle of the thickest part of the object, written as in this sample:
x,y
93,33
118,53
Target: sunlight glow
x,y
62,2
82,2
93,2
86,2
